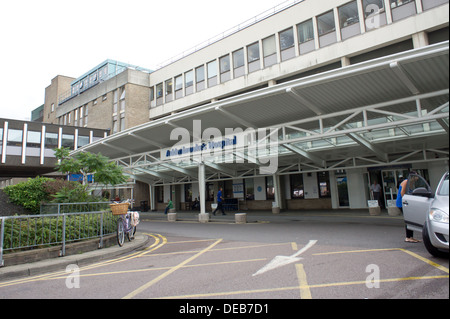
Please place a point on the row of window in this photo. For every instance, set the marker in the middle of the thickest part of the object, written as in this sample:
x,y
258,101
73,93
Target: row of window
x,y
264,53
297,188
34,138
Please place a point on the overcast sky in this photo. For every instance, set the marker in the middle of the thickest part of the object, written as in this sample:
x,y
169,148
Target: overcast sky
x,y
42,39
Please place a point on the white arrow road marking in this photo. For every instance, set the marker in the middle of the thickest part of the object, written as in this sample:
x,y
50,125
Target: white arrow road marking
x,y
280,261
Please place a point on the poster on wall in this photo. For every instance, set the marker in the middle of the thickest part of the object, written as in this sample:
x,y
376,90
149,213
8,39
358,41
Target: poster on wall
x,y
238,190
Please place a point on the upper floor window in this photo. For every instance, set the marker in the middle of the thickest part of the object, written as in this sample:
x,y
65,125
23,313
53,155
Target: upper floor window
x,y
287,39
189,79
374,13
212,73
253,52
51,140
349,20
253,57
200,78
269,51
238,63
15,137
305,31
325,23
225,68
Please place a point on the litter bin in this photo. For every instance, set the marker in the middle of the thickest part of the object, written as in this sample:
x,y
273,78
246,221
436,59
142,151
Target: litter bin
x,y
144,206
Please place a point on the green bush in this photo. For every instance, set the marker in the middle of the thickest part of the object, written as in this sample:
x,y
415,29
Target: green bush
x,y
43,232
29,194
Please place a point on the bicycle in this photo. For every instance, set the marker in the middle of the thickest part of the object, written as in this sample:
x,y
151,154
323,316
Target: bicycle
x,y
124,226
126,223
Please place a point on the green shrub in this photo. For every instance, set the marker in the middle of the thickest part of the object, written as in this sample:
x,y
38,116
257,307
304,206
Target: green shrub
x,y
29,194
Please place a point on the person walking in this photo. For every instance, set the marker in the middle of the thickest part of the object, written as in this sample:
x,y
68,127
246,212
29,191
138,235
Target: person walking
x,y
399,204
219,202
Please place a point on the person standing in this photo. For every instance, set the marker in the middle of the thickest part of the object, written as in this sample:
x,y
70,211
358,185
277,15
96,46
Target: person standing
x,y
399,204
219,202
376,191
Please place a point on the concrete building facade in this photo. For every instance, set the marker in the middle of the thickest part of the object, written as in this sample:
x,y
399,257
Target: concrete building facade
x,y
301,46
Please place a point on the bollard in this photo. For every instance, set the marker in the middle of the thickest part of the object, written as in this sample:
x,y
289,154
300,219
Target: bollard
x,y
172,217
203,218
240,218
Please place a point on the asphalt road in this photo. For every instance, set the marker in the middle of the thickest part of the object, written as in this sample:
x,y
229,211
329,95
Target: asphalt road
x,y
307,256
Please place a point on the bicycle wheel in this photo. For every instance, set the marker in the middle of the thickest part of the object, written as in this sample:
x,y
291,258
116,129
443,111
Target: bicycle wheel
x,y
131,233
120,232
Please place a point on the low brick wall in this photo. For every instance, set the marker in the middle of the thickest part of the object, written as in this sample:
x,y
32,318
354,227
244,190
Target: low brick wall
x,y
30,256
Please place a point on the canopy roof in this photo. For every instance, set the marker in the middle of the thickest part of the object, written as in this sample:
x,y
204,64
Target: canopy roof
x,y
388,111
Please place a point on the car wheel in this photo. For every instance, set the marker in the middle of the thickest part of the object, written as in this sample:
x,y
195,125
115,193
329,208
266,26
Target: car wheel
x,y
427,242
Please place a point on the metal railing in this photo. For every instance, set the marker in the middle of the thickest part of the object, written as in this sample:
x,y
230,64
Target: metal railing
x,y
39,231
64,208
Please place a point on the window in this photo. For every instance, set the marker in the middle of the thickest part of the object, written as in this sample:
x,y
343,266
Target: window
x,y
348,14
53,107
372,7
122,123
225,68
189,82
349,20
200,78
297,187
51,140
189,78
212,73
287,44
15,137
287,39
169,88
68,141
212,69
83,140
269,51
159,194
34,139
305,31
374,14
188,193
115,102
324,184
152,93
159,91
270,189
249,189
179,83
253,52
238,63
325,23
402,9
179,87
122,100
200,74
253,57
225,64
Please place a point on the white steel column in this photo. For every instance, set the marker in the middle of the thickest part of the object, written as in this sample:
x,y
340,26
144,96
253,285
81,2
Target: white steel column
x,y
202,187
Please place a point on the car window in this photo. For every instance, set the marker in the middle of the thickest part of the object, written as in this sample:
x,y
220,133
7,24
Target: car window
x,y
416,181
443,190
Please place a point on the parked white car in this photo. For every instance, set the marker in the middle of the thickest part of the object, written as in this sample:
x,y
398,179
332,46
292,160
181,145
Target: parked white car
x,y
428,212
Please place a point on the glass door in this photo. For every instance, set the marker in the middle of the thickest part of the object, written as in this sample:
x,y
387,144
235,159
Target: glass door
x,y
341,181
391,182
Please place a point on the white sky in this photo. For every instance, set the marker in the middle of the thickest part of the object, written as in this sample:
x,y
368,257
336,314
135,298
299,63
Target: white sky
x,y
42,39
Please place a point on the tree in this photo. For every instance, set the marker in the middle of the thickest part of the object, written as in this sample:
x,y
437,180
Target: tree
x,y
85,163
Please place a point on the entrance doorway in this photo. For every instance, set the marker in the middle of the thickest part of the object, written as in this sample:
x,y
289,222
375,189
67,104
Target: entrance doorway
x,y
341,181
391,180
